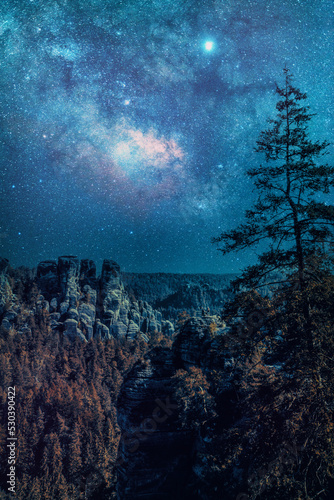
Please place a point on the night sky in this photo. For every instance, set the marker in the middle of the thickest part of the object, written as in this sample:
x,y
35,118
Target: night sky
x,y
127,126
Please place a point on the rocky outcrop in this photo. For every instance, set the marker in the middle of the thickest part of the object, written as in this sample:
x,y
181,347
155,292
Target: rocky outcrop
x,y
47,278
119,304
88,273
192,343
201,343
80,304
155,455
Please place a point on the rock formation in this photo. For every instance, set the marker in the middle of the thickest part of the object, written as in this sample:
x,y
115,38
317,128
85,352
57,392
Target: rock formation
x,y
115,303
158,458
80,304
155,455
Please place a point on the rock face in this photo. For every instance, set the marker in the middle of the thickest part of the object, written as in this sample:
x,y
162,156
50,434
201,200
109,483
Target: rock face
x,y
80,304
193,342
47,278
158,457
199,343
154,454
88,272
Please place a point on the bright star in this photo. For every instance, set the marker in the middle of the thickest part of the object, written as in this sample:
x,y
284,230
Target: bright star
x,y
208,46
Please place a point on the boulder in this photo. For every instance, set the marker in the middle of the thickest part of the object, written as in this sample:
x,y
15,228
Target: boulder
x,y
54,321
70,327
73,314
53,305
64,307
9,319
87,310
86,326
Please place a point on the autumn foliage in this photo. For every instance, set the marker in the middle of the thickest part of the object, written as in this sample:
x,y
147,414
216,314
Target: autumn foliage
x,y
65,411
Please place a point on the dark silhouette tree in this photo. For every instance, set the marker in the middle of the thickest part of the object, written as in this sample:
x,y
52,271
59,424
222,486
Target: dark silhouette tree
x,y
287,212
292,330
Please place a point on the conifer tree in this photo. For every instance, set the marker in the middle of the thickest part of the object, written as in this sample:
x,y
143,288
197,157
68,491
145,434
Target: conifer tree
x,y
287,212
75,446
52,458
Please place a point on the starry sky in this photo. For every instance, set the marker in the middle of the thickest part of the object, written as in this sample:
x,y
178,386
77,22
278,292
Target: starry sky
x,y
127,126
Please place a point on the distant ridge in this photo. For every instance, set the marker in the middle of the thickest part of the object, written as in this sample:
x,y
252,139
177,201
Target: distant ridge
x,y
173,293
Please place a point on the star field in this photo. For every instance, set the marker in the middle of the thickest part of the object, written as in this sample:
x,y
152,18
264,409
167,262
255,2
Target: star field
x,y
127,126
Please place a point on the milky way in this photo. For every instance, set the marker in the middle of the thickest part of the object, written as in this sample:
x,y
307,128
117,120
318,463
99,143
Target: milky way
x,y
127,126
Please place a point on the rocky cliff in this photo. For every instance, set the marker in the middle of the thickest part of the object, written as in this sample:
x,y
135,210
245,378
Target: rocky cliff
x,y
155,455
79,303
159,457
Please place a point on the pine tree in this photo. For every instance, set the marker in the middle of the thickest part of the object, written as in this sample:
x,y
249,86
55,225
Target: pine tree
x,y
75,460
287,213
52,459
293,404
